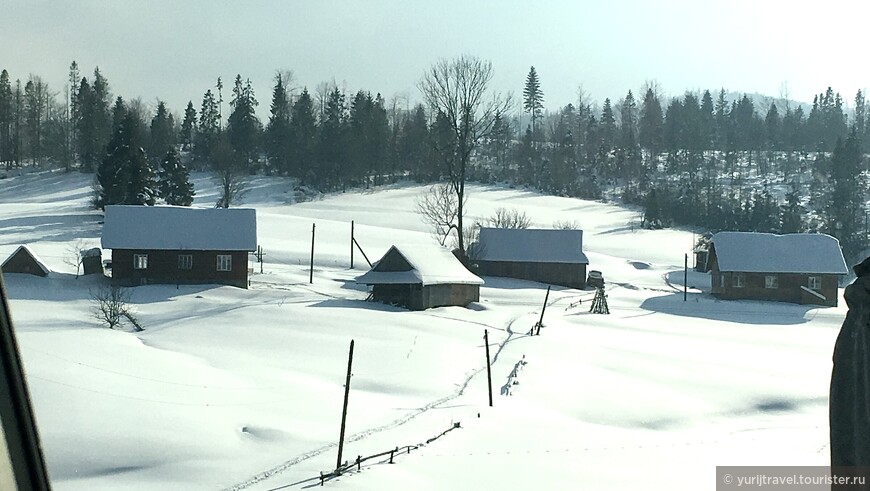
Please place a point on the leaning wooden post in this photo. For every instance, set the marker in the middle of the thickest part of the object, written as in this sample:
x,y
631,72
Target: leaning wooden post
x,y
685,276
488,369
351,244
311,270
541,320
344,409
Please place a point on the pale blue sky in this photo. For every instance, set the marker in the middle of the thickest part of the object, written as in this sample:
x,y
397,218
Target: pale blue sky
x,y
175,50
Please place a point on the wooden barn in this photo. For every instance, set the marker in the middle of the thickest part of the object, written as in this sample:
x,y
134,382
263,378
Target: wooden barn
x,y
545,255
420,278
798,268
177,244
24,260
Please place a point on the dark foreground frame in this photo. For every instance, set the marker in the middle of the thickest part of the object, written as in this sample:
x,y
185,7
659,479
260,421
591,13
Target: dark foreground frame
x,y
24,462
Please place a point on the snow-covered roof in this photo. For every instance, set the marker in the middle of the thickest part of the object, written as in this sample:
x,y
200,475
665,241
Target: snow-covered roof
x,y
531,245
179,228
45,269
754,252
430,265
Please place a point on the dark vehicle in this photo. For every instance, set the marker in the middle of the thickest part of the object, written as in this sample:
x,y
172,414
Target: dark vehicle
x,y
595,279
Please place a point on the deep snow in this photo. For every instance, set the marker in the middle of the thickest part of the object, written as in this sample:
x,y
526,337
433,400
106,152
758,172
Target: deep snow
x,y
229,388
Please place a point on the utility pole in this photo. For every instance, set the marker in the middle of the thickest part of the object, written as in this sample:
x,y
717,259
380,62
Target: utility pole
x,y
344,409
311,269
488,369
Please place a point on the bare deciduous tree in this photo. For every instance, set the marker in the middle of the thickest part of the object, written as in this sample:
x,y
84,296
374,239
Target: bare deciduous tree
x,y
112,306
229,173
439,208
456,91
75,254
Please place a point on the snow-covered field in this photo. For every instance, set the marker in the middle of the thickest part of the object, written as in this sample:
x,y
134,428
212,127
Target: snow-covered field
x,y
229,388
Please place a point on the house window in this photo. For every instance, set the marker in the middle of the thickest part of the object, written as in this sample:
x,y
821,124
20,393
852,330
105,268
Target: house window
x,y
224,262
721,281
185,261
814,282
771,281
140,261
739,280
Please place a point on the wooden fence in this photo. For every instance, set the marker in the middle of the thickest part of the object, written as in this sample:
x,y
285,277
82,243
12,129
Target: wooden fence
x,y
325,476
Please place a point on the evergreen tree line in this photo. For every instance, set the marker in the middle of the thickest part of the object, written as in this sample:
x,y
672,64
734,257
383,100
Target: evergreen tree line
x,y
688,160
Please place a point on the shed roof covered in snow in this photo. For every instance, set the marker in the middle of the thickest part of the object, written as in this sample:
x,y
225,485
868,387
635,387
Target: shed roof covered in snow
x,y
179,228
24,260
531,245
419,265
755,252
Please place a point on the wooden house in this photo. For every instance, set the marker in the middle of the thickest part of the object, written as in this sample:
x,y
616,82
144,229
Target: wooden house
x,y
24,260
420,278
177,244
798,268
545,255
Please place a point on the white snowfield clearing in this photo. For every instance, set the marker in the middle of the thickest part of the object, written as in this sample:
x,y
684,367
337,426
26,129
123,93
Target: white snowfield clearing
x,y
242,389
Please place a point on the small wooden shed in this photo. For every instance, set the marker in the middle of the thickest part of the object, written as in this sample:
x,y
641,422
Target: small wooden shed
x,y
24,260
421,277
92,261
551,256
797,268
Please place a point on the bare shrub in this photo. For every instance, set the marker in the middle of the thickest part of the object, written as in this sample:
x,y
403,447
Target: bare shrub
x,y
566,225
509,218
112,307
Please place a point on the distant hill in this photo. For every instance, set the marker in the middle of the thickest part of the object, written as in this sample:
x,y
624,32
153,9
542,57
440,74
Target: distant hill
x,y
762,102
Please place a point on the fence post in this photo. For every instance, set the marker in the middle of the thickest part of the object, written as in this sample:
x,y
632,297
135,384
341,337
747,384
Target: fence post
x,y
391,454
311,271
685,276
351,244
488,369
544,308
344,409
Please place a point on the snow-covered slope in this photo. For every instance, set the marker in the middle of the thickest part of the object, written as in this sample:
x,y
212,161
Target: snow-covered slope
x,y
229,388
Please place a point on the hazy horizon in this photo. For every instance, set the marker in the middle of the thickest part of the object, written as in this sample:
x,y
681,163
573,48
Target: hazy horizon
x,y
175,52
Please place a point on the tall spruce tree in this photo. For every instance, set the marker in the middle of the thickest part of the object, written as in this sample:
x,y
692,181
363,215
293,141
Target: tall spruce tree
x,y
607,138
17,123
124,176
651,126
162,134
860,123
173,180
791,212
36,104
332,144
303,133
772,124
277,136
208,130
533,97
188,127
100,117
845,212
243,126
74,106
6,118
